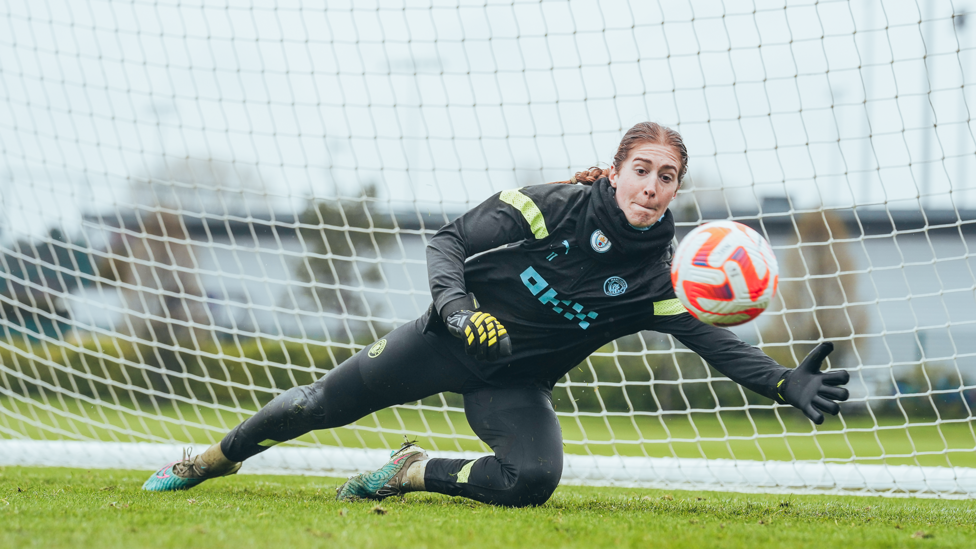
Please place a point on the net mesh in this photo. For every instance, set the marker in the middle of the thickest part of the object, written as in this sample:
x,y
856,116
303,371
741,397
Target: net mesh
x,y
204,204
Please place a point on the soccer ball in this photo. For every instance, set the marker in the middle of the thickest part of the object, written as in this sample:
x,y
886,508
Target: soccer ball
x,y
724,273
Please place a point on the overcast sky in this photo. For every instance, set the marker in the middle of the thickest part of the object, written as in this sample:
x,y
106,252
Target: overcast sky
x,y
441,103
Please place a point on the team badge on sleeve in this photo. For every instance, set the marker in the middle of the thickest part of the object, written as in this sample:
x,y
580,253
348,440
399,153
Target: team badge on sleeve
x,y
599,242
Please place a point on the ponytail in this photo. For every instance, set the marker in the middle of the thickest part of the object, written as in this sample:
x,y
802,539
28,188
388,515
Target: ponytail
x,y
586,177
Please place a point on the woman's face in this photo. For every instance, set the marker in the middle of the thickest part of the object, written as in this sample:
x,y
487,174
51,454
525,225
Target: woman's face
x,y
646,183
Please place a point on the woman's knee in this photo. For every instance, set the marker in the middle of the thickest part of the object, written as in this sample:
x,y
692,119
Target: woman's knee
x,y
300,407
539,480
333,401
532,483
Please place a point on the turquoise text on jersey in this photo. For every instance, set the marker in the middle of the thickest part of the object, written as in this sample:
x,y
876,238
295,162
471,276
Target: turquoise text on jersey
x,y
537,285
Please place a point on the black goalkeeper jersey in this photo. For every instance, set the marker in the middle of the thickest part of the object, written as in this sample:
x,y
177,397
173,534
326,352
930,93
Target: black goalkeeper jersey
x,y
560,267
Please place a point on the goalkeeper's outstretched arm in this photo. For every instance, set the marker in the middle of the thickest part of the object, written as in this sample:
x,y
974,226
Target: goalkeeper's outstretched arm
x,y
806,387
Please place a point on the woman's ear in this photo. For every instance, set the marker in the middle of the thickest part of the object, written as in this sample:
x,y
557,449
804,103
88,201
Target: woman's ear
x,y
613,176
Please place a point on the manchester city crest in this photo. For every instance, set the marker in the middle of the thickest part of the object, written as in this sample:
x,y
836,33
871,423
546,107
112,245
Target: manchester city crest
x,y
599,241
614,286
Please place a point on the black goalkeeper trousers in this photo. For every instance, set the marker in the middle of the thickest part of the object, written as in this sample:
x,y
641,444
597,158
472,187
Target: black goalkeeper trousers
x,y
517,422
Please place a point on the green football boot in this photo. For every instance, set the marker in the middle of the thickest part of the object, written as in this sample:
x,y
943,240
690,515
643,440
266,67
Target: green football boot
x,y
191,471
388,480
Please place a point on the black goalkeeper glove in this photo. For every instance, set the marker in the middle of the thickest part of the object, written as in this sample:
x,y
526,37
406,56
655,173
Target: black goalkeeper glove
x,y
484,337
810,390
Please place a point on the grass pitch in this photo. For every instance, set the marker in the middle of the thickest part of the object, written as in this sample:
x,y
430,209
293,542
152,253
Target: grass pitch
x,y
42,507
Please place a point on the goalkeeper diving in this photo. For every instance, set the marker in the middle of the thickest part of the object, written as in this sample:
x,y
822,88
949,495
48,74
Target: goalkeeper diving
x,y
525,286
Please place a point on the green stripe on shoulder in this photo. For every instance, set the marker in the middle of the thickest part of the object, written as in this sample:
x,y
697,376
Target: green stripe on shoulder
x,y
531,212
669,307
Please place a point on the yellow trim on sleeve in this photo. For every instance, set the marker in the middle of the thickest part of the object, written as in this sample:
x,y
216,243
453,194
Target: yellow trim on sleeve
x,y
531,212
669,307
465,472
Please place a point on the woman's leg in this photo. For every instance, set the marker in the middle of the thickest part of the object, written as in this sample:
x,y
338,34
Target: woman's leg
x,y
408,368
521,427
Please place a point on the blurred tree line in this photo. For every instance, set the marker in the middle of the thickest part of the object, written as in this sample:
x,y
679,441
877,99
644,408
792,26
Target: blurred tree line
x,y
152,261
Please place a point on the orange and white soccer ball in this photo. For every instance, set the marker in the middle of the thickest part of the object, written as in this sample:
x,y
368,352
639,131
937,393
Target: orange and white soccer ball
x,y
724,273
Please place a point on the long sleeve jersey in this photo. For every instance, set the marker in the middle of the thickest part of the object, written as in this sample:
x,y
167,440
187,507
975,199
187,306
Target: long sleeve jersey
x,y
536,258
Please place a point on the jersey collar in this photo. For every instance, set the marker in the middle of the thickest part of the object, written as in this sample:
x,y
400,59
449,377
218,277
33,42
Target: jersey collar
x,y
605,234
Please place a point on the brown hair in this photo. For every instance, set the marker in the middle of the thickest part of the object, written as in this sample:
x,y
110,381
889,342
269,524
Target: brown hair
x,y
643,132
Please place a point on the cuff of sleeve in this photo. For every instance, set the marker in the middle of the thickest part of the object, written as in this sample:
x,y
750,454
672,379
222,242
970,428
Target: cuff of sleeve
x,y
466,303
780,388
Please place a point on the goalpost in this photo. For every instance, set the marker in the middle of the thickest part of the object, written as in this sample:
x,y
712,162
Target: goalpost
x,y
203,204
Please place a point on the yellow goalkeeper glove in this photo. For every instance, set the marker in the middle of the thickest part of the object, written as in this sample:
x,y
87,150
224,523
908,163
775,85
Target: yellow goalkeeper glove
x,y
483,335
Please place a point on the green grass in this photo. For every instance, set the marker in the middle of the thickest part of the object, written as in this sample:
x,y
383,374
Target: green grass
x,y
75,508
763,438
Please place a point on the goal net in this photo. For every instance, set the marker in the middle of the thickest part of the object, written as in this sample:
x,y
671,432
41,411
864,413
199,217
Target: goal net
x,y
203,204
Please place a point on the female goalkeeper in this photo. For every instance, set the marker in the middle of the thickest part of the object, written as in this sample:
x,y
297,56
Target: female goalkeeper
x,y
558,271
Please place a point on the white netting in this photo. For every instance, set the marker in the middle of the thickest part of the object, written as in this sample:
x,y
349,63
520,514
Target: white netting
x,y
205,203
